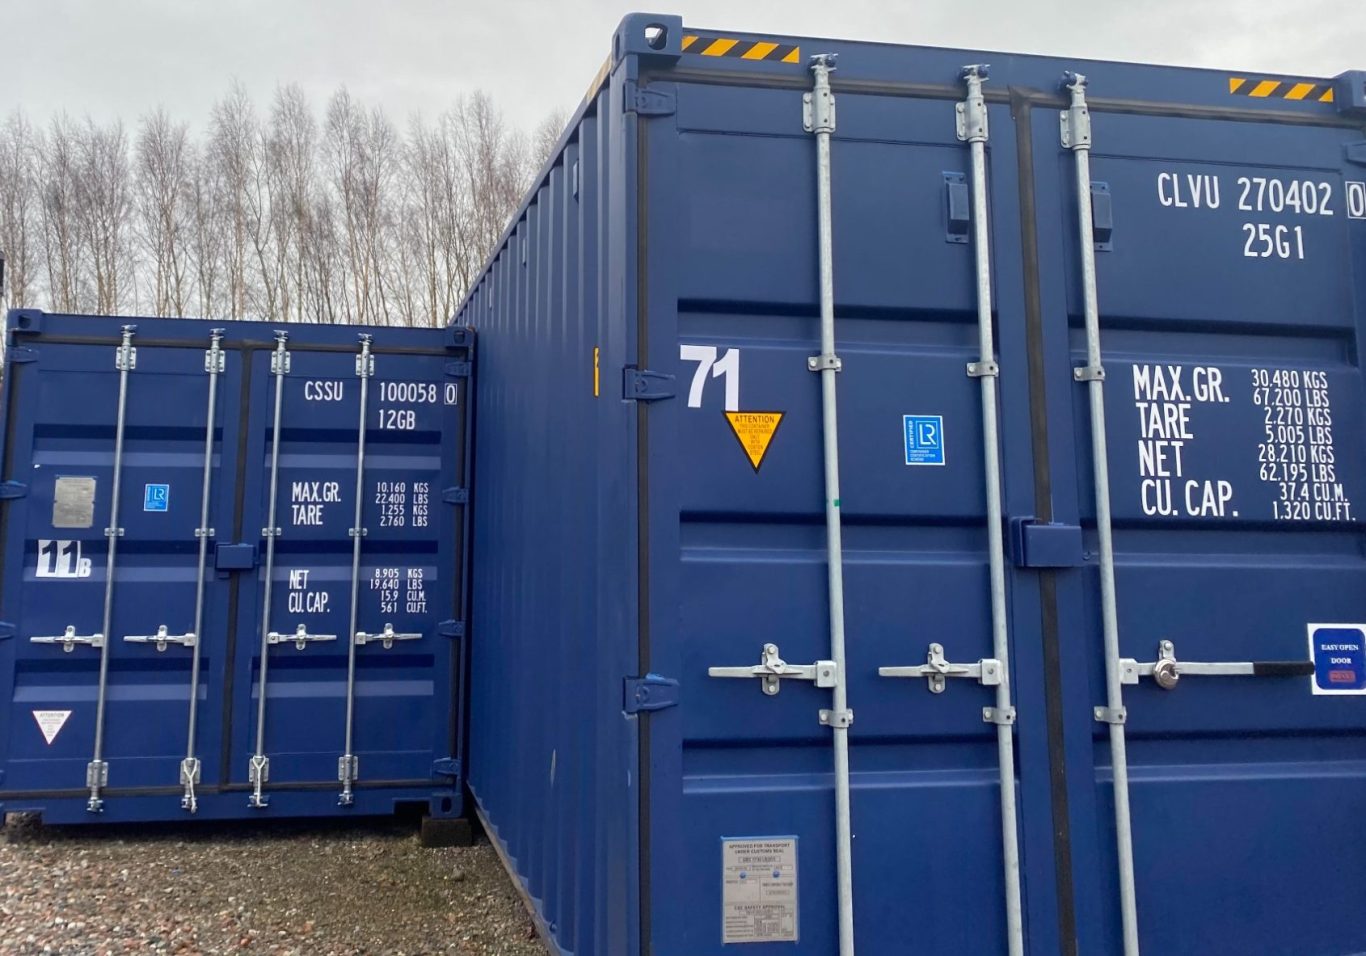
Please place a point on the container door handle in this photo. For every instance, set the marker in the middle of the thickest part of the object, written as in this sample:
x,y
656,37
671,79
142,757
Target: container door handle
x,y
162,638
1167,671
772,670
69,639
386,637
300,638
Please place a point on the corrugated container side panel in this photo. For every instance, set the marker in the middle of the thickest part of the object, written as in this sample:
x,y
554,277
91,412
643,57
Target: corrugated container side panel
x,y
553,781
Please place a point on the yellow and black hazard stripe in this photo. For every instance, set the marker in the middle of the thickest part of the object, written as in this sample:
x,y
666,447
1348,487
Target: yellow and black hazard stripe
x,y
742,49
1316,91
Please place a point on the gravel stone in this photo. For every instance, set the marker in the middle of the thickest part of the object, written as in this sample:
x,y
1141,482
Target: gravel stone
x,y
278,888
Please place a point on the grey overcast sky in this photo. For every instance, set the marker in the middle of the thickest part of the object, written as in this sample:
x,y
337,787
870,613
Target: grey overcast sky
x,y
109,58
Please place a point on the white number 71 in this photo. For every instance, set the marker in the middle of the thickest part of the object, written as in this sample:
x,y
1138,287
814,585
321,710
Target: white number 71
x,y
727,367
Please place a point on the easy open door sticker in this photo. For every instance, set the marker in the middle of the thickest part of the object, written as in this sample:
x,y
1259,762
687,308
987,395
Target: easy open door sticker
x,y
754,431
1339,655
759,890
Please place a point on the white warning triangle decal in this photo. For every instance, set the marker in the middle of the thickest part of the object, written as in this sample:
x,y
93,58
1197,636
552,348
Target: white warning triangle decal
x,y
50,722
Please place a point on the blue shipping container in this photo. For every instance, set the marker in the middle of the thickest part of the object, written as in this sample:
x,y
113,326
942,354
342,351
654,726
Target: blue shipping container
x,y
154,469
1166,662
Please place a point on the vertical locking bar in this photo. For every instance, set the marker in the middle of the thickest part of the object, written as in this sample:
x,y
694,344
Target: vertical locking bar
x,y
189,767
972,127
820,115
97,771
348,768
259,767
1076,136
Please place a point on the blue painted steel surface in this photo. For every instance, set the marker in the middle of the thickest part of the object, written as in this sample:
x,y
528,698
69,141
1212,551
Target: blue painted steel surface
x,y
668,254
60,415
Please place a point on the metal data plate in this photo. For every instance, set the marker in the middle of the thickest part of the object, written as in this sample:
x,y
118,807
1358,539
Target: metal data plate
x,y
73,502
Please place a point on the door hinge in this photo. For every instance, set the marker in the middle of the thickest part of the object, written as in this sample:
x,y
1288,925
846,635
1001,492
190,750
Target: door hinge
x,y
18,355
1355,153
451,629
446,767
458,369
455,496
651,692
648,101
643,385
12,489
7,630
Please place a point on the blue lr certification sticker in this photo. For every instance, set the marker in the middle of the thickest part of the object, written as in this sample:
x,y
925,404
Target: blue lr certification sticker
x,y
1339,652
156,498
924,439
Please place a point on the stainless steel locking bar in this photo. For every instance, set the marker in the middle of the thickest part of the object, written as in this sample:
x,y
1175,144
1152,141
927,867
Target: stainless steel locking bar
x,y
97,771
214,364
818,109
258,771
348,766
819,117
973,129
1167,671
1075,124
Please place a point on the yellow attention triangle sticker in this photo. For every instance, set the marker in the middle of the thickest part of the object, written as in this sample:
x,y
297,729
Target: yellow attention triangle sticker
x,y
754,431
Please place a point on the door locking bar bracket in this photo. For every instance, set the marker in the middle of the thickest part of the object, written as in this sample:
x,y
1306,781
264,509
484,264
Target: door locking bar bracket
x,y
772,669
162,638
1167,671
386,637
70,639
821,363
983,370
1111,715
937,668
1088,373
300,638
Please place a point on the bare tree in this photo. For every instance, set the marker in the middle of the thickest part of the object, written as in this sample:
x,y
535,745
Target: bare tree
x,y
494,160
233,144
545,137
284,218
60,216
437,234
361,152
104,188
207,237
19,201
165,189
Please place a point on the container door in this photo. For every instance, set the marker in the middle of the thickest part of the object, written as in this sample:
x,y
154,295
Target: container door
x,y
740,802
69,445
361,631
365,543
1230,257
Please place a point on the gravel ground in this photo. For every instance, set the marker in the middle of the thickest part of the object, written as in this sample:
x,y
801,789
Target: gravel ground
x,y
284,888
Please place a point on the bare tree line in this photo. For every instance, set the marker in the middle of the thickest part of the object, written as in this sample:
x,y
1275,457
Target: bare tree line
x,y
277,215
